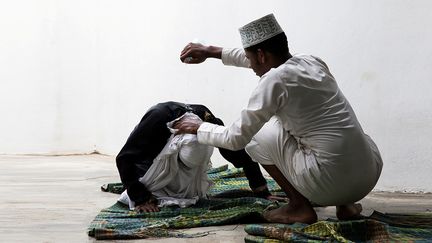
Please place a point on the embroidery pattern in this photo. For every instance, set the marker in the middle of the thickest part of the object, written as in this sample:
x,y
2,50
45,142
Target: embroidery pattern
x,y
259,30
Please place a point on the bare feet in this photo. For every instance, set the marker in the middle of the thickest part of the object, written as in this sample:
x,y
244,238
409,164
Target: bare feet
x,y
288,214
349,211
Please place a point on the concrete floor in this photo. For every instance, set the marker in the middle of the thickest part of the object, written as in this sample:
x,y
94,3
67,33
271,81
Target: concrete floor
x,y
54,198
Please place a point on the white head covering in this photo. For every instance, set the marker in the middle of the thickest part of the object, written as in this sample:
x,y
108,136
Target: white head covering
x,y
259,30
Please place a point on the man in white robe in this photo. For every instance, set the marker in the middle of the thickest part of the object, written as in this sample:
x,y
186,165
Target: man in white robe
x,y
298,125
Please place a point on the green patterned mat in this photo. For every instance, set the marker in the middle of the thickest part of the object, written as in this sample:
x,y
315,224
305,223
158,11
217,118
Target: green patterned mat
x,y
118,222
378,227
226,183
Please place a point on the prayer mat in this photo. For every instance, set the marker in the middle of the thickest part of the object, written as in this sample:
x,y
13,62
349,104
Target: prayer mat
x,y
118,222
378,227
227,183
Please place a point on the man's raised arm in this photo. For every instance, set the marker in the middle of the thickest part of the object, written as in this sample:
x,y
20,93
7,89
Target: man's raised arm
x,y
195,53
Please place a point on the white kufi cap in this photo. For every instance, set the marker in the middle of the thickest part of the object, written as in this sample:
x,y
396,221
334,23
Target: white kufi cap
x,y
259,30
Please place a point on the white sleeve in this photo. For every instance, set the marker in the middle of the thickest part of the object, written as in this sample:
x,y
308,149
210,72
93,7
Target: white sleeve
x,y
234,57
264,102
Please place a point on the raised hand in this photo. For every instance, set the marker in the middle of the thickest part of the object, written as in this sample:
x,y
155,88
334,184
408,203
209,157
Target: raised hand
x,y
195,53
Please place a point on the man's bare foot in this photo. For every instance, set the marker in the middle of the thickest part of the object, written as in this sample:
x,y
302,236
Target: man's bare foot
x,y
349,211
289,214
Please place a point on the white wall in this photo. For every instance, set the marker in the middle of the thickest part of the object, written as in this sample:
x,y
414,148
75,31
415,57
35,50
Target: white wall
x,y
76,76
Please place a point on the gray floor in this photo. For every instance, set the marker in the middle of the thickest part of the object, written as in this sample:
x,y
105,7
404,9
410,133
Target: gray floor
x,y
54,198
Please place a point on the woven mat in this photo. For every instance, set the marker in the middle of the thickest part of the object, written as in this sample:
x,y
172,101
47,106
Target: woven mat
x,y
231,203
227,183
378,227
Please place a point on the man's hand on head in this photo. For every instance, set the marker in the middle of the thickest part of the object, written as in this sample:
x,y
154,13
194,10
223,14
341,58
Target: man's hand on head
x,y
187,125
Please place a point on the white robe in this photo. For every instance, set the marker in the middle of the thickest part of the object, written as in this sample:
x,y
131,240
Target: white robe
x,y
313,136
178,182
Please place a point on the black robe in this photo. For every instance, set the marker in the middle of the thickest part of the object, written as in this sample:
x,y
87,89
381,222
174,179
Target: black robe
x,y
149,138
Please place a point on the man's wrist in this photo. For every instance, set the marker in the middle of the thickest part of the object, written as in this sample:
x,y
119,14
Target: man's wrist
x,y
214,52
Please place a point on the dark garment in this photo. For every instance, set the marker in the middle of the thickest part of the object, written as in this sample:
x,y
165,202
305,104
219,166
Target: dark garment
x,y
149,138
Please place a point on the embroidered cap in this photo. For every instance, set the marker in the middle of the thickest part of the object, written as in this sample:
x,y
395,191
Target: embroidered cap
x,y
259,30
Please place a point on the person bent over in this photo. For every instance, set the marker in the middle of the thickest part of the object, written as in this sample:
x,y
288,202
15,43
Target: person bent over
x,y
159,168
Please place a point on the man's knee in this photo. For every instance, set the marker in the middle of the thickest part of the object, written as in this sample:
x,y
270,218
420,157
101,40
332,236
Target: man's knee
x,y
258,153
